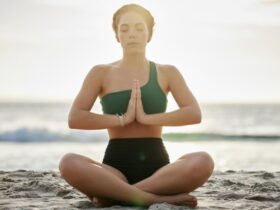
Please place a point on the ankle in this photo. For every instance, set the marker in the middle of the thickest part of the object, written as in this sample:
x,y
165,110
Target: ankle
x,y
161,199
152,198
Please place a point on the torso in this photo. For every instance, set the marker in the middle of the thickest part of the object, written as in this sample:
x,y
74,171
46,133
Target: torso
x,y
113,81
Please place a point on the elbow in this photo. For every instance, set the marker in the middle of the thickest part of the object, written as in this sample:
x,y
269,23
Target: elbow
x,y
72,121
197,116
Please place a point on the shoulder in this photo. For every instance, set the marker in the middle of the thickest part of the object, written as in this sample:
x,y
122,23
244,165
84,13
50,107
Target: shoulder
x,y
169,71
100,71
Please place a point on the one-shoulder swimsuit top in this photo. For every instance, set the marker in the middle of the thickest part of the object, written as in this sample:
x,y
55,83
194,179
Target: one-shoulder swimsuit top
x,y
153,98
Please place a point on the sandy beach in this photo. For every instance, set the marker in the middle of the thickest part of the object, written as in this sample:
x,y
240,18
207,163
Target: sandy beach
x,y
24,189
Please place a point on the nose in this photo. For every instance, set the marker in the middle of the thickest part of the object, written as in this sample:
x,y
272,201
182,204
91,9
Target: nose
x,y
131,33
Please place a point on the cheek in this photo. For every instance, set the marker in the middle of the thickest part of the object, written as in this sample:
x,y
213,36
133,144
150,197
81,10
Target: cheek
x,y
121,36
146,34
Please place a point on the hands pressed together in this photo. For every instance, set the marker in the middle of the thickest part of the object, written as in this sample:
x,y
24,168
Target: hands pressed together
x,y
135,110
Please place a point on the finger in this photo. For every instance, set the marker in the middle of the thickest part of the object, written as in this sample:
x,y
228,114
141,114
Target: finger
x,y
138,91
135,88
133,94
139,100
131,102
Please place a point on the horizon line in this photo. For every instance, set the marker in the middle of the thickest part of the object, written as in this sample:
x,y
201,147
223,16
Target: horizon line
x,y
199,102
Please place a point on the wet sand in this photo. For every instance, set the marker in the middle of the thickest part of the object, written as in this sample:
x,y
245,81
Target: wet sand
x,y
23,189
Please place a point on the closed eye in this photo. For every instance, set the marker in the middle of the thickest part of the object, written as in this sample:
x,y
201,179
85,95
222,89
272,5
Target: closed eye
x,y
124,28
140,27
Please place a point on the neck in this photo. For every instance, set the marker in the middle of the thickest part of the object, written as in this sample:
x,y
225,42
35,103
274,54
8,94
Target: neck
x,y
134,61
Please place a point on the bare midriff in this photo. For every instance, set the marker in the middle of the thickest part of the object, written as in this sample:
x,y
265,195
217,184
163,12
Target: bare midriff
x,y
134,130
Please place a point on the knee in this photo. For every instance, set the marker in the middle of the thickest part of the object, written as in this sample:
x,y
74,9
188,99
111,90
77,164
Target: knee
x,y
204,164
67,165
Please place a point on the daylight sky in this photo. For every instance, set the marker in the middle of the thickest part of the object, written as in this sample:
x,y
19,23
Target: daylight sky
x,y
227,50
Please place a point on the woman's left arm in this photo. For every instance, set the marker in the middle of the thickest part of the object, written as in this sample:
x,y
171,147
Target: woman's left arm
x,y
188,112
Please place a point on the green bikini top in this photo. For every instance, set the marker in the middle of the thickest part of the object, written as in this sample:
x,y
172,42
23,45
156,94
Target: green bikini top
x,y
153,98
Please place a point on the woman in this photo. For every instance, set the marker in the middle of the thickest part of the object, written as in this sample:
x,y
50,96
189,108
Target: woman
x,y
136,168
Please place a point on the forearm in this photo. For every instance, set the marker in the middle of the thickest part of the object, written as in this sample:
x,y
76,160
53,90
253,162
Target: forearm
x,y
86,120
183,116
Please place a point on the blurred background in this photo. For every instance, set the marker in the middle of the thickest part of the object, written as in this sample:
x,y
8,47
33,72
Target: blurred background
x,y
227,50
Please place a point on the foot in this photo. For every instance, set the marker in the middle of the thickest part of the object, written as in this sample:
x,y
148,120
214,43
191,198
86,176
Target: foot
x,y
102,202
180,199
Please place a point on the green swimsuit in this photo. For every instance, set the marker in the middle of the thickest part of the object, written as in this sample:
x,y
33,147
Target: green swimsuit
x,y
153,98
136,157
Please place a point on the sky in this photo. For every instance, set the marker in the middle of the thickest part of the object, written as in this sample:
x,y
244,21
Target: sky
x,y
227,50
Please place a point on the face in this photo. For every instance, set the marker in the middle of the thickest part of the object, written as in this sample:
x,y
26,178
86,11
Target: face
x,y
133,32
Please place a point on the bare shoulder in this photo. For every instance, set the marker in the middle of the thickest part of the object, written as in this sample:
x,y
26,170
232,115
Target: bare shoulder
x,y
99,70
99,73
178,86
91,87
168,70
168,74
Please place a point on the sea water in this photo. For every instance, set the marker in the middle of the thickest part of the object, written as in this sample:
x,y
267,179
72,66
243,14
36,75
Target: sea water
x,y
35,136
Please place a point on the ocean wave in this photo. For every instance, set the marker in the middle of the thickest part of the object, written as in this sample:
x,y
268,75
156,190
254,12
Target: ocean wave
x,y
220,136
46,135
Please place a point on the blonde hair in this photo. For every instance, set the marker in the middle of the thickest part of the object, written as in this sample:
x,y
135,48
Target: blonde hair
x,y
149,19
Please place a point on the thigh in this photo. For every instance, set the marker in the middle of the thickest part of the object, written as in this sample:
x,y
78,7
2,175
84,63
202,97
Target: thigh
x,y
197,156
109,168
200,161
193,162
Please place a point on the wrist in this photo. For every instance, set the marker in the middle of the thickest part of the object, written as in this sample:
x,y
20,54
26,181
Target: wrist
x,y
147,119
120,119
141,119
124,119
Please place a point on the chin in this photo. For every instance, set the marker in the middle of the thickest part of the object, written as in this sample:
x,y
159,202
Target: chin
x,y
135,50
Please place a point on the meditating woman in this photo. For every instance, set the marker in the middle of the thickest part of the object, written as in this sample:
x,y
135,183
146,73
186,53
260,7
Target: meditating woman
x,y
133,93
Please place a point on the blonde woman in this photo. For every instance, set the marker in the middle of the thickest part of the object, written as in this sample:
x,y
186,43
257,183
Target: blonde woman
x,y
133,92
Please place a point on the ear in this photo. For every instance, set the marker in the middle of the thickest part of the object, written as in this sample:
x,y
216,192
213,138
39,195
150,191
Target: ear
x,y
117,38
149,39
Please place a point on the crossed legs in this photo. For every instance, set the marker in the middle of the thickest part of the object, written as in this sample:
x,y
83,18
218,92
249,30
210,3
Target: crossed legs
x,y
182,176
171,183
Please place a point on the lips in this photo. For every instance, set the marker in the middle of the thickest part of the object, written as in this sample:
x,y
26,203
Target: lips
x,y
132,43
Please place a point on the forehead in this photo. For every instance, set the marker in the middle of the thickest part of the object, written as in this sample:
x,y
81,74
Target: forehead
x,y
131,18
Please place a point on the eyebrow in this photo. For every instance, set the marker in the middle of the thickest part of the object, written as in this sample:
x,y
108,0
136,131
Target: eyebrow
x,y
137,24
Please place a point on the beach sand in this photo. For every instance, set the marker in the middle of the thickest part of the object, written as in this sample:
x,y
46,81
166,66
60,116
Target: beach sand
x,y
23,189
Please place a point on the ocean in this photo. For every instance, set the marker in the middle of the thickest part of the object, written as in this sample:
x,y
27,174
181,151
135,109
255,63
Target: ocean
x,y
35,136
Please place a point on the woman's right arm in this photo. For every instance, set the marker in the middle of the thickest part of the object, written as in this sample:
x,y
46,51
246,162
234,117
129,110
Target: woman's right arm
x,y
80,116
